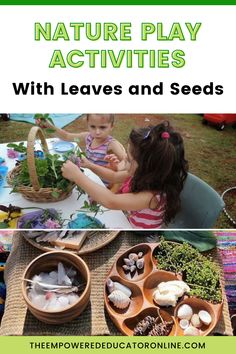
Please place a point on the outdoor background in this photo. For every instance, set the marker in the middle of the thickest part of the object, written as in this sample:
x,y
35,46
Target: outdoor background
x,y
211,153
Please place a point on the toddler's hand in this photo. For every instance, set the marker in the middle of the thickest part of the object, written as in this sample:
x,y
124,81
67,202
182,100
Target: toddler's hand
x,y
113,161
70,171
43,123
84,162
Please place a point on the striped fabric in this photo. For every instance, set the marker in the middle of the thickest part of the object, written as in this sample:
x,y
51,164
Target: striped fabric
x,y
226,242
145,218
97,154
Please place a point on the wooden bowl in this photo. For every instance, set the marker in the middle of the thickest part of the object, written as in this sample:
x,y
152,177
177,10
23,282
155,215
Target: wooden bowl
x,y
142,286
46,263
197,305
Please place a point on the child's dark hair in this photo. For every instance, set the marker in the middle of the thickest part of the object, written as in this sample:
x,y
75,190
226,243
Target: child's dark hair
x,y
110,117
162,168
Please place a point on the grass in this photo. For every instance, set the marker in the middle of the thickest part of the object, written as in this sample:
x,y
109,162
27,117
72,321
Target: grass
x,y
211,153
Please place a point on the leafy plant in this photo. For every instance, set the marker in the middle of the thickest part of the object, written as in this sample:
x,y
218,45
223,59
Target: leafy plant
x,y
41,119
200,272
18,147
48,171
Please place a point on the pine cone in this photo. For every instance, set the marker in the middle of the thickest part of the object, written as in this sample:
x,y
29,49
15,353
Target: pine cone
x,y
161,329
144,326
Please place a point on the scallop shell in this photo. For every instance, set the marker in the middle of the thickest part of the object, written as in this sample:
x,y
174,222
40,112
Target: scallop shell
x,y
119,299
195,321
123,288
185,312
191,331
205,317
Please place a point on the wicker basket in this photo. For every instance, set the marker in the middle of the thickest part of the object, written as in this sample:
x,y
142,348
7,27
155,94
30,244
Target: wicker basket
x,y
36,193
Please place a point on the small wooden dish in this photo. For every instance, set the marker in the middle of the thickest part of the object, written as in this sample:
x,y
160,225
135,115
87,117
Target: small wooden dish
x,y
142,304
46,263
93,242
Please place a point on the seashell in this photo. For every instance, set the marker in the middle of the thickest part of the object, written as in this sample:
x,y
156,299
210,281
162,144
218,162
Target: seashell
x,y
133,257
195,321
129,262
140,254
119,299
123,288
184,323
126,268
133,268
140,263
164,299
191,331
205,317
185,312
110,285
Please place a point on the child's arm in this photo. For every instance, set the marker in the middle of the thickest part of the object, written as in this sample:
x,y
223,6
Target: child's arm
x,y
115,147
105,173
128,201
64,135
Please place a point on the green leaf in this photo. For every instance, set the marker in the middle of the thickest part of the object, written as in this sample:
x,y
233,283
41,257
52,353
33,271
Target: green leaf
x,y
38,116
4,225
50,130
55,194
50,120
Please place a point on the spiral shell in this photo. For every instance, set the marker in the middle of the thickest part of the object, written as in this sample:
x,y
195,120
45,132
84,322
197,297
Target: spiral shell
x,y
140,263
119,299
129,262
133,257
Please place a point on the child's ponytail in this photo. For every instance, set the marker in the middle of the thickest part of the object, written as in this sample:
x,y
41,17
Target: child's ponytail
x,y
162,167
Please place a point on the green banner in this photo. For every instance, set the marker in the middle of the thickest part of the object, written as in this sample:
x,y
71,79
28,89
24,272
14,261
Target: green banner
x,y
112,345
117,2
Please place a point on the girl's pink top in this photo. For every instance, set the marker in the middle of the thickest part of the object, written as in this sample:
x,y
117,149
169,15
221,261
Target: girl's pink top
x,y
145,218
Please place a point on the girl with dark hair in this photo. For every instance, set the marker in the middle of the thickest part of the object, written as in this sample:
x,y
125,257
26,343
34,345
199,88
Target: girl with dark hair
x,y
152,183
